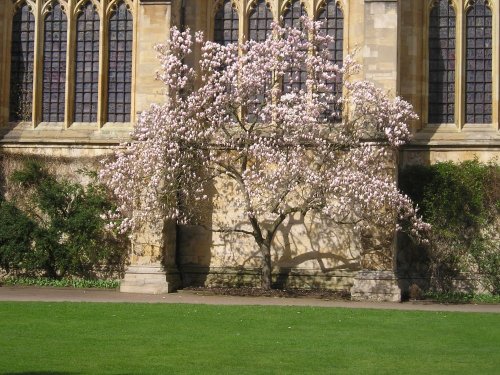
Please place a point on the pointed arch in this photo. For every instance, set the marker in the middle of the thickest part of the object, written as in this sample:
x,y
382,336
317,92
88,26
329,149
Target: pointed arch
x,y
81,4
259,21
226,23
49,6
16,4
293,11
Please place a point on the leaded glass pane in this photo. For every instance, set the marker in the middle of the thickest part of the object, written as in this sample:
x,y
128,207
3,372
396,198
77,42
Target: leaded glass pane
x,y
294,80
226,24
54,65
87,64
332,19
21,67
293,12
478,107
260,20
442,64
120,65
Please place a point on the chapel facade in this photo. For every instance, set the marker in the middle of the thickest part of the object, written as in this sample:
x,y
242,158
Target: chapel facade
x,y
75,74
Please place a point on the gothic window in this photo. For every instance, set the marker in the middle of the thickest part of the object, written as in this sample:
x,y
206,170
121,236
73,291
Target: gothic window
x,y
120,64
293,12
332,19
295,79
442,33
260,22
54,65
21,67
478,63
87,64
226,24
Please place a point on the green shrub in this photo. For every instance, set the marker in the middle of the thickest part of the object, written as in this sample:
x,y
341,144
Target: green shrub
x,y
58,227
462,202
61,283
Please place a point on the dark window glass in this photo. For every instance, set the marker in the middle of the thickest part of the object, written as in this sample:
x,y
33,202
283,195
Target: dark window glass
x,y
226,24
21,67
87,64
120,64
442,64
259,29
478,64
332,19
295,79
294,10
260,20
54,65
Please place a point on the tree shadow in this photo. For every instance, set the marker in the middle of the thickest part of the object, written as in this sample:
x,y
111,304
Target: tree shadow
x,y
308,252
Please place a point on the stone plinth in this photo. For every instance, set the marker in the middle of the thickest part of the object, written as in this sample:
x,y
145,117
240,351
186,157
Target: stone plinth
x,y
149,279
376,286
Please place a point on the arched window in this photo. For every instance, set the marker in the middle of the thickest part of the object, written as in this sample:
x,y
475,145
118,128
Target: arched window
x,y
54,65
86,64
21,65
478,63
293,12
226,24
259,28
332,19
442,33
120,64
294,80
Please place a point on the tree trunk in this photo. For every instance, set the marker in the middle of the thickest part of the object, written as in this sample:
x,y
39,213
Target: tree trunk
x,y
265,250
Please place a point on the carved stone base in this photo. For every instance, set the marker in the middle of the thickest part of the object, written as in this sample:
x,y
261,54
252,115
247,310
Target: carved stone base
x,y
376,286
149,279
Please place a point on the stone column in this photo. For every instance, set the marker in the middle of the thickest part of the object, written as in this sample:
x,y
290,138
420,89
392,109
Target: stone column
x,y
377,280
152,262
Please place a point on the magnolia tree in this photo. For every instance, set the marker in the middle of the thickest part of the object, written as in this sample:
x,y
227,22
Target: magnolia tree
x,y
285,150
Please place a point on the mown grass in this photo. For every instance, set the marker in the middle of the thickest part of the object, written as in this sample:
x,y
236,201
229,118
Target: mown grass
x,y
86,338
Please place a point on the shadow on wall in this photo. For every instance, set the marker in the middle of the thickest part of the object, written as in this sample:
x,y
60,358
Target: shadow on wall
x,y
308,252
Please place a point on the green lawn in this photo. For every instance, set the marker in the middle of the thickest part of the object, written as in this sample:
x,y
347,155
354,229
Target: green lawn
x,y
86,338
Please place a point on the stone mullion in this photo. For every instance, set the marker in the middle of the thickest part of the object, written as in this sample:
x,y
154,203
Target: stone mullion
x,y
38,64
242,21
69,95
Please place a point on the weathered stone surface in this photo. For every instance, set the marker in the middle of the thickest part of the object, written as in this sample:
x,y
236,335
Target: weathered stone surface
x,y
376,286
149,278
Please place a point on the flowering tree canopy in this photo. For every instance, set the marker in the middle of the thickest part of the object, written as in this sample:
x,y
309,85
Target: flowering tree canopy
x,y
286,151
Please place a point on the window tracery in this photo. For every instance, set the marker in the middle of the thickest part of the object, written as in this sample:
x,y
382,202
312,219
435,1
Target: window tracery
x,y
226,24
259,21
